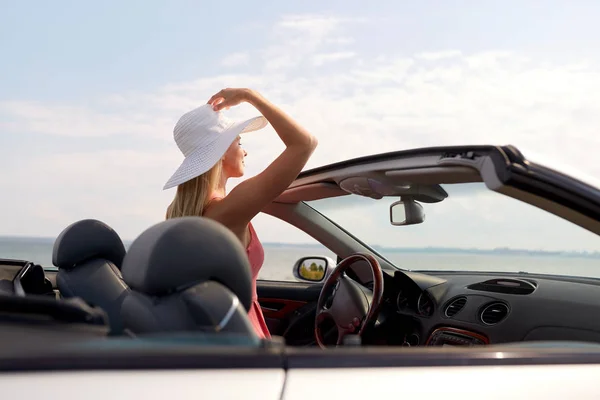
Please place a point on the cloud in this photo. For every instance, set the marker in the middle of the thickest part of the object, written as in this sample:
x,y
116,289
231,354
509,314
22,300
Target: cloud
x,y
301,37
236,59
440,55
364,105
79,121
314,24
320,59
120,187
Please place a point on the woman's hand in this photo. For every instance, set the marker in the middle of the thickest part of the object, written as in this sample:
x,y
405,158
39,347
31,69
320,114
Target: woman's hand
x,y
229,97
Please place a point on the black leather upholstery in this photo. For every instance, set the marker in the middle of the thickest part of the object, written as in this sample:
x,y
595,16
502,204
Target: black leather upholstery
x,y
85,240
187,274
88,254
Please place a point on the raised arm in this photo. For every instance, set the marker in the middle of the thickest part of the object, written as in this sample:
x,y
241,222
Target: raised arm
x,y
249,197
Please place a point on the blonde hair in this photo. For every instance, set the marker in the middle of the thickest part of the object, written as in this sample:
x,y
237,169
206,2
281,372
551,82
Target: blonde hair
x,y
191,197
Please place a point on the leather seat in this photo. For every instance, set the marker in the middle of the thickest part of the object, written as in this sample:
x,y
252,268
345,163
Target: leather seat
x,y
89,254
188,274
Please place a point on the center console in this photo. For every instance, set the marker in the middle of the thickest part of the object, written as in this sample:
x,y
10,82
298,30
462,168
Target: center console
x,y
455,337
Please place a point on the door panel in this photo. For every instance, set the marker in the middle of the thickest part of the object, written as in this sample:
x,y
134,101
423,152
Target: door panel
x,y
300,291
279,308
289,309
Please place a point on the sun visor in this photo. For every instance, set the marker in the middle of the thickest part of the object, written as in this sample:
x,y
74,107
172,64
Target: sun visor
x,y
378,188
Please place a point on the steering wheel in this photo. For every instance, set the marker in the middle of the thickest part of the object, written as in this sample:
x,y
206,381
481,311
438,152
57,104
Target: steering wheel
x,y
351,307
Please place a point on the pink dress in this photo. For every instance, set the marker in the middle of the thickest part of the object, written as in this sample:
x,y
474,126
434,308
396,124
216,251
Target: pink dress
x,y
256,256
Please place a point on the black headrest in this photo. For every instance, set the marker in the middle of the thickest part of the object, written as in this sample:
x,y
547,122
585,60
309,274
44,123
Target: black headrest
x,y
86,239
181,252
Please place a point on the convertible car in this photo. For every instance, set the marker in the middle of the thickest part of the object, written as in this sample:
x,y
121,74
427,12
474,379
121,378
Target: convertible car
x,y
166,317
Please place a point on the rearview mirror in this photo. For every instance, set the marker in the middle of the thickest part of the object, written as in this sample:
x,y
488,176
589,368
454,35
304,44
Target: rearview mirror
x,y
406,212
313,269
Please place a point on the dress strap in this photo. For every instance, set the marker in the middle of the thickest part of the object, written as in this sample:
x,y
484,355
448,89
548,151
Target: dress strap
x,y
211,198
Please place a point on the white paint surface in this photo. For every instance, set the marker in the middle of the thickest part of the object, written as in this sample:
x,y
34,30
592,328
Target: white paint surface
x,y
464,383
447,383
144,385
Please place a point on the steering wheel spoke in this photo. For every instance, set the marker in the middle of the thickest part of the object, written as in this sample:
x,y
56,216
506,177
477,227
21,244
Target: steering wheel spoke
x,y
342,327
352,328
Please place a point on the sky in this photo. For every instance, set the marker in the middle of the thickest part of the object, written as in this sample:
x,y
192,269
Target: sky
x,y
91,92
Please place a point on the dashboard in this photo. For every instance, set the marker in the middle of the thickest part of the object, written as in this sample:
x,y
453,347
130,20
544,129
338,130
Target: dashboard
x,y
458,308
419,309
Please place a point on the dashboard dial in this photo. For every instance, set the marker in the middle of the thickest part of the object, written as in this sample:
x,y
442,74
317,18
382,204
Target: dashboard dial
x,y
402,301
425,305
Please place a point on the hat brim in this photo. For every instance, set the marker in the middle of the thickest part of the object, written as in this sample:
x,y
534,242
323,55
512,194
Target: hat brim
x,y
204,158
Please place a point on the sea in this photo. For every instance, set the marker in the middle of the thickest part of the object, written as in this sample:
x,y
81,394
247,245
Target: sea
x,y
280,258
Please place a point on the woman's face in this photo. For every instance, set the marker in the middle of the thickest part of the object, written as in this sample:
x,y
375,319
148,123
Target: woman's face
x,y
233,160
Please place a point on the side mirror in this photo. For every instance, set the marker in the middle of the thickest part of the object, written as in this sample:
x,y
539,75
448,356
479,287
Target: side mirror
x,y
313,269
406,212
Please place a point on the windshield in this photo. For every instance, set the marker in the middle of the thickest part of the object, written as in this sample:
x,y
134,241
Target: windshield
x,y
474,229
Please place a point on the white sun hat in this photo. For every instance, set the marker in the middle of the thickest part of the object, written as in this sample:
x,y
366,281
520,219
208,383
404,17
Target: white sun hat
x,y
203,136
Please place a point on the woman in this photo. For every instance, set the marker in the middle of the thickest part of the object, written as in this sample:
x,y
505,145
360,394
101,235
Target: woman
x,y
211,146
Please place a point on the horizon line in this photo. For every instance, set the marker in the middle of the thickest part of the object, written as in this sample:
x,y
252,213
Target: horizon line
x,y
375,247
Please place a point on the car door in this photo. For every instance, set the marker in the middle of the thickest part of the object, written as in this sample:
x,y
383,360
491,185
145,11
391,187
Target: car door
x,y
287,288
289,309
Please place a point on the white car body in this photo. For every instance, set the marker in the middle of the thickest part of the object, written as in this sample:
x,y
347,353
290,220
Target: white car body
x,y
453,383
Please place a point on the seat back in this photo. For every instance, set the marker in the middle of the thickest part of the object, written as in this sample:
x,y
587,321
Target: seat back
x,y
187,274
89,254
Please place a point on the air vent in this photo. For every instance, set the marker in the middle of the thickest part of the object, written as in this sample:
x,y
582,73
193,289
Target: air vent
x,y
455,306
493,313
508,286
